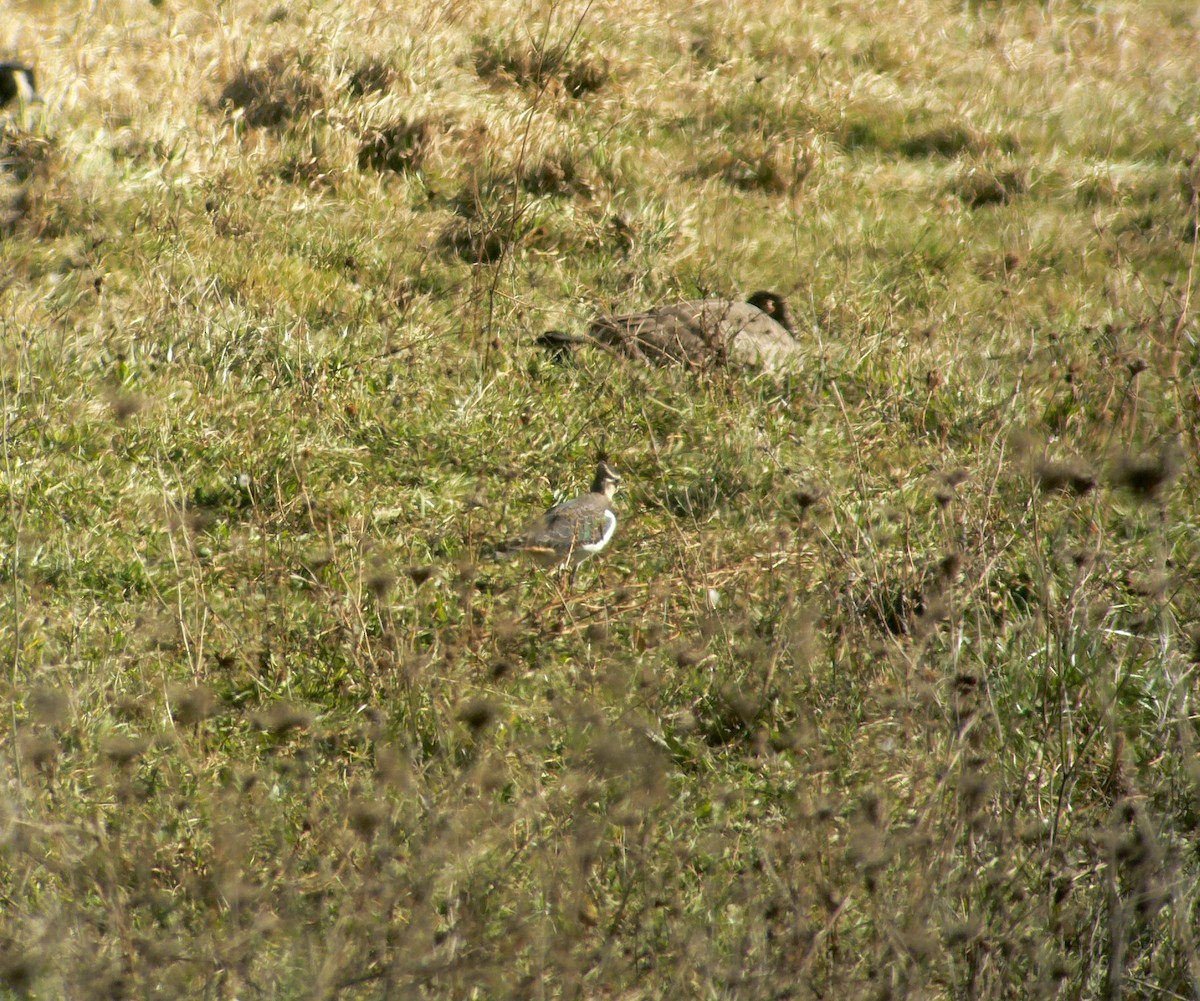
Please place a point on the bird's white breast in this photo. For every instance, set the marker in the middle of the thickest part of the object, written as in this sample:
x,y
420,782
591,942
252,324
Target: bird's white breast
x,y
610,526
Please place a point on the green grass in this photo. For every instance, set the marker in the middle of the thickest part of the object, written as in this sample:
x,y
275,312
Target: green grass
x,y
884,688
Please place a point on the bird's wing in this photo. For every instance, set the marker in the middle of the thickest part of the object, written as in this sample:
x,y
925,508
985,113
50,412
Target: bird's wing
x,y
575,522
743,333
697,332
659,335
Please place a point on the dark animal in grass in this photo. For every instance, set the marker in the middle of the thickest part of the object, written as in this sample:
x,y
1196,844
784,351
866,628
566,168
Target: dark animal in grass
x,y
702,333
17,83
559,345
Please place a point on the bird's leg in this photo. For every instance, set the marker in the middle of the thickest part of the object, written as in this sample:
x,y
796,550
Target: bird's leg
x,y
573,565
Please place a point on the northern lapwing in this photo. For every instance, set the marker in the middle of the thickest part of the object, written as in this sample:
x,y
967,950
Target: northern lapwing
x,y
16,82
570,532
704,332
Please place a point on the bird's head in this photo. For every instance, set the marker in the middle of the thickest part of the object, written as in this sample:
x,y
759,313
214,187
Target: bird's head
x,y
775,307
607,479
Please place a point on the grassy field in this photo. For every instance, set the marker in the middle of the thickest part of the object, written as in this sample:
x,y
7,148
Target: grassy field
x,y
886,685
